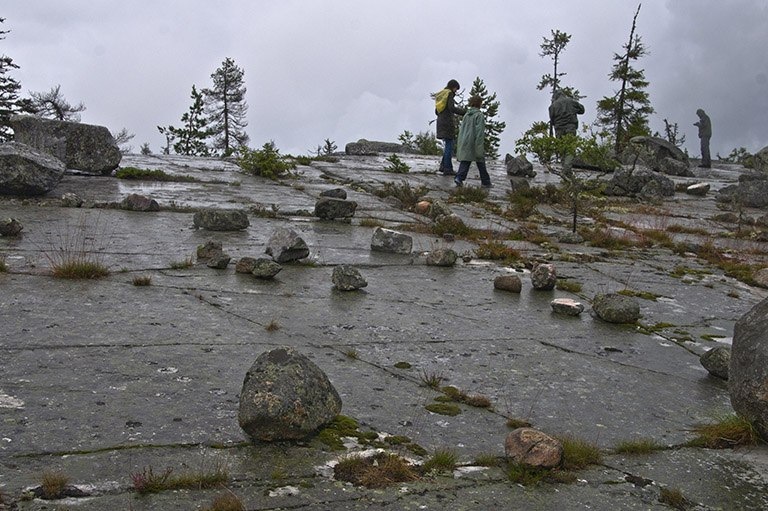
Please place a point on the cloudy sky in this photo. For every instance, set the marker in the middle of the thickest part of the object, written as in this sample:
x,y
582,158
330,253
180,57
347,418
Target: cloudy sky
x,y
350,69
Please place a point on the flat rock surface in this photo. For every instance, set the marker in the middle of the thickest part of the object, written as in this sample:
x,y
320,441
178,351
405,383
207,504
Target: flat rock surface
x,y
100,379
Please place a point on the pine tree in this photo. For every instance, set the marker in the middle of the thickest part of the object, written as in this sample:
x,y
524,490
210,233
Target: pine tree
x,y
553,48
626,112
490,109
226,107
9,92
53,105
191,138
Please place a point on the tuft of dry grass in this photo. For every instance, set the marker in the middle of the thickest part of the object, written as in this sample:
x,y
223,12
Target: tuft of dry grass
x,y
53,485
432,379
147,481
675,499
272,326
77,251
142,280
639,446
442,460
494,250
578,454
379,471
514,423
226,502
183,264
727,432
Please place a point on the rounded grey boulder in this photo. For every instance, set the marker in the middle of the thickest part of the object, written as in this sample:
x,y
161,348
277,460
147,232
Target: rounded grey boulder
x,y
285,396
748,375
616,308
717,361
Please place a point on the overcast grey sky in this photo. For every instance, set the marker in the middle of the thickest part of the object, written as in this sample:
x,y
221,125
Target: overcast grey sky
x,y
350,69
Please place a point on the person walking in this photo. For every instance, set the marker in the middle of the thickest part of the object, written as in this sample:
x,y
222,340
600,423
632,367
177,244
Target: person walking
x,y
563,114
470,146
705,133
446,111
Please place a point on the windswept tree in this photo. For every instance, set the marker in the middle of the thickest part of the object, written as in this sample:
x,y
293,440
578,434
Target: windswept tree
x,y
553,48
226,108
626,113
490,109
53,105
190,139
9,92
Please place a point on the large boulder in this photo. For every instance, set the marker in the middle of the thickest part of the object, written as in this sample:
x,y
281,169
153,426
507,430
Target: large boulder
x,y
640,182
519,166
752,191
285,396
442,257
221,219
748,375
760,160
285,245
652,151
365,147
83,147
26,171
616,308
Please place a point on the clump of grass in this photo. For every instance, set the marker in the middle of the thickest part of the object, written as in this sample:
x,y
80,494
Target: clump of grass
x,y
639,446
3,264
396,165
526,475
53,485
460,396
568,285
495,250
183,264
645,295
432,379
403,192
578,454
487,460
352,353
371,222
76,254
226,502
133,173
728,432
342,426
514,423
147,481
451,224
442,460
403,365
468,194
605,238
142,280
675,499
449,409
377,471
272,326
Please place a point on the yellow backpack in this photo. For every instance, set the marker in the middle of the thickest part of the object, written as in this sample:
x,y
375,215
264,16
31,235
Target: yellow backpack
x,y
441,99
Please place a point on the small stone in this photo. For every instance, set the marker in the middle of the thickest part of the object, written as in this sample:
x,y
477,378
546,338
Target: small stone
x,y
717,361
566,306
422,207
442,257
348,278
544,277
510,283
136,202
264,268
616,308
387,240
71,200
533,448
219,261
336,193
330,208
10,227
209,250
698,190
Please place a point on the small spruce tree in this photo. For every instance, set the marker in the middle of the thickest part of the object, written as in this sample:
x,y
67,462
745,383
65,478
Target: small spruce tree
x,y
226,107
9,92
190,138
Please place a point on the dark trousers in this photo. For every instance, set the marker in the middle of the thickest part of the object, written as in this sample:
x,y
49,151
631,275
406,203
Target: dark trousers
x,y
461,175
706,161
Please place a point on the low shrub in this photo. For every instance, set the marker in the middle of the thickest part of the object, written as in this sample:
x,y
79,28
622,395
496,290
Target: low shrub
x,y
266,162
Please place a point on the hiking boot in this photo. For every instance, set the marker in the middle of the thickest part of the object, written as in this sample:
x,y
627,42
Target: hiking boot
x,y
486,185
448,172
457,182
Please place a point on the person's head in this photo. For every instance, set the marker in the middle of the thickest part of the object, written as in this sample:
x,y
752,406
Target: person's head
x,y
453,85
700,112
475,101
557,95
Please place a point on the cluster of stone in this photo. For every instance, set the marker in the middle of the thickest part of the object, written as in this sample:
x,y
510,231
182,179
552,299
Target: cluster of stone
x,y
333,204
10,227
213,255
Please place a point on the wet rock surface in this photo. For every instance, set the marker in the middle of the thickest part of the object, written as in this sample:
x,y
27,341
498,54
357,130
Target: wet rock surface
x,y
100,379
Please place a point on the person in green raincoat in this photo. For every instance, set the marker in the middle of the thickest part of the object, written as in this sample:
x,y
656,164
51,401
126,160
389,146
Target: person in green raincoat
x,y
470,146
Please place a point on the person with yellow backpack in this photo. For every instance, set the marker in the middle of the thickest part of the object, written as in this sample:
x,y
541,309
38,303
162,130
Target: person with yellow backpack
x,y
446,111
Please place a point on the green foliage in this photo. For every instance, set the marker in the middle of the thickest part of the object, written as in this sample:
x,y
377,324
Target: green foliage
x,y
490,109
145,150
10,103
468,194
327,148
53,105
578,454
423,143
226,108
726,432
591,149
626,112
568,285
442,460
671,134
449,409
134,173
265,162
191,138
739,155
639,446
396,165
403,192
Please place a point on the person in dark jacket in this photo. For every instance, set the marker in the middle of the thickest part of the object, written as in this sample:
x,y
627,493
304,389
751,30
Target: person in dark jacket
x,y
705,133
563,114
446,111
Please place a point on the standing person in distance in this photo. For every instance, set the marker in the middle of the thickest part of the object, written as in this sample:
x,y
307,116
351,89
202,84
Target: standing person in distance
x,y
705,133
446,111
471,143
